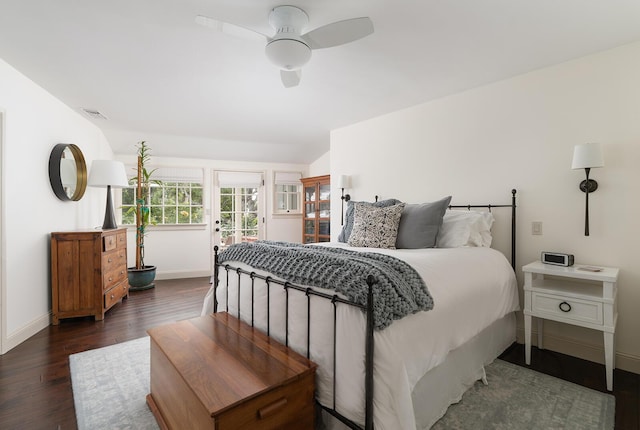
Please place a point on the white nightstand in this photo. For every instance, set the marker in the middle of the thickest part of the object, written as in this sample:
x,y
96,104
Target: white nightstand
x,y
573,296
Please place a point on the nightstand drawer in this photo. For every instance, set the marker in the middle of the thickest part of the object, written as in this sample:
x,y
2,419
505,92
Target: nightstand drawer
x,y
559,307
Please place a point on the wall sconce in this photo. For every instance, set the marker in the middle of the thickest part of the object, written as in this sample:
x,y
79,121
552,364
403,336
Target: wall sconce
x,y
587,156
344,181
107,174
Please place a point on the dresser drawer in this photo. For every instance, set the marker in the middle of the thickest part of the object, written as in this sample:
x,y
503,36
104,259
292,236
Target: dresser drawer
x,y
114,295
558,307
109,242
121,240
287,407
114,268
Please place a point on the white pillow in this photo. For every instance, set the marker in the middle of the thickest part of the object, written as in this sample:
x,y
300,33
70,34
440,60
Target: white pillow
x,y
465,228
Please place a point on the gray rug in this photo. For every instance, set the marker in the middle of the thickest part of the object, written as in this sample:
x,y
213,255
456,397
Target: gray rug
x,y
110,385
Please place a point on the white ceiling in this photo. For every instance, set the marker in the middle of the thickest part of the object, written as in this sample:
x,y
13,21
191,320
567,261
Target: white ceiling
x,y
193,92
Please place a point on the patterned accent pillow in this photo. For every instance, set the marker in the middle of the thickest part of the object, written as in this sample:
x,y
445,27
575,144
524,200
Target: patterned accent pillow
x,y
375,227
348,218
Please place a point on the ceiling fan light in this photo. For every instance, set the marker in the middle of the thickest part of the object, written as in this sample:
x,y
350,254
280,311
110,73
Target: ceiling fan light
x,y
288,54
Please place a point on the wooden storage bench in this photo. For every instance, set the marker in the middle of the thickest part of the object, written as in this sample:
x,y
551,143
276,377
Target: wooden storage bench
x,y
216,372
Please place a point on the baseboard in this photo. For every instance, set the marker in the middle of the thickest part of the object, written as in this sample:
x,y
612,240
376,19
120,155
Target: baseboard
x,y
182,274
586,351
25,332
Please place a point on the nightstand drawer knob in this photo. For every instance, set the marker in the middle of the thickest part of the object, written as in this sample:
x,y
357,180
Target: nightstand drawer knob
x,y
565,307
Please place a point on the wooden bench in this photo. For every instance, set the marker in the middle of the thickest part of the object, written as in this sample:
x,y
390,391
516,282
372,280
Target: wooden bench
x,y
216,372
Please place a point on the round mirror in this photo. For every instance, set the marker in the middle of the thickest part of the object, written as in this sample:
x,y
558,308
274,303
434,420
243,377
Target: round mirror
x,y
67,172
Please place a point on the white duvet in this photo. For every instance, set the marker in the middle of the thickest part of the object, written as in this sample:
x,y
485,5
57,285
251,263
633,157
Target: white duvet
x,y
471,288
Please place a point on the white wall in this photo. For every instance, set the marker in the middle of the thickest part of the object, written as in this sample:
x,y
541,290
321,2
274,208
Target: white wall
x,y
179,252
321,166
34,122
519,133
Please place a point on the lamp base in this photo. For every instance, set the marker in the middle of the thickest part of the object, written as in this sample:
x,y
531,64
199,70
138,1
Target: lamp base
x,y
588,185
109,217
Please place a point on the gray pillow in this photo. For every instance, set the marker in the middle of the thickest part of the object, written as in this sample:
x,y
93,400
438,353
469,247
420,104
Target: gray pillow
x,y
419,224
348,218
375,227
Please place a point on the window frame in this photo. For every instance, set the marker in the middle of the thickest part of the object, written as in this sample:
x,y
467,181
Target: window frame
x,y
178,184
276,193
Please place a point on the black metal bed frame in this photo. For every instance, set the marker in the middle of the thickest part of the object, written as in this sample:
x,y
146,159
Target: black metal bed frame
x,y
335,300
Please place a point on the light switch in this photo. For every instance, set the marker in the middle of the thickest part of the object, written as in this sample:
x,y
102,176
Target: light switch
x,y
536,228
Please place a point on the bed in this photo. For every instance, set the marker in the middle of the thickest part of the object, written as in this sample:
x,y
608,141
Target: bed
x,y
403,375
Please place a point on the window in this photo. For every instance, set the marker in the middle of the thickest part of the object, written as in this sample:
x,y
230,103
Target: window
x,y
238,208
287,193
178,200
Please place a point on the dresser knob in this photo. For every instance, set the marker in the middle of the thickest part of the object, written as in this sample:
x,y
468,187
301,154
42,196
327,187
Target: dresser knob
x,y
112,296
109,261
564,307
110,279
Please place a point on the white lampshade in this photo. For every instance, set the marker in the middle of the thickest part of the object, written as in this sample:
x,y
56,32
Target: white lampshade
x,y
107,172
344,181
587,155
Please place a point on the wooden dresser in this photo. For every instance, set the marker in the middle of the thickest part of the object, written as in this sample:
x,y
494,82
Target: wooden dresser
x,y
88,272
216,372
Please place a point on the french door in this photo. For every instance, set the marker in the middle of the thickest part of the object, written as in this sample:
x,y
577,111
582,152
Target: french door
x,y
238,203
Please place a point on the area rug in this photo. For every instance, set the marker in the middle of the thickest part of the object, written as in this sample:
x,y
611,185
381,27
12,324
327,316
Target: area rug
x,y
110,385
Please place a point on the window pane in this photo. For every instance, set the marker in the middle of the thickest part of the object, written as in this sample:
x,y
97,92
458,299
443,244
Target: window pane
x,y
184,195
293,202
156,215
128,196
184,214
196,196
128,215
281,202
169,215
197,215
156,196
170,196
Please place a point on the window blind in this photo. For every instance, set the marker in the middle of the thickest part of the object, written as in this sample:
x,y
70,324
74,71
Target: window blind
x,y
240,179
287,178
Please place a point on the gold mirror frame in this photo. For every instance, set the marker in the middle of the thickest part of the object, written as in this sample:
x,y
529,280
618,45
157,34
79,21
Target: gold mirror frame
x,y
57,174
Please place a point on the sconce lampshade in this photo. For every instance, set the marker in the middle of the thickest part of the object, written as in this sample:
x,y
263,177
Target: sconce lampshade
x,y
344,181
587,156
107,174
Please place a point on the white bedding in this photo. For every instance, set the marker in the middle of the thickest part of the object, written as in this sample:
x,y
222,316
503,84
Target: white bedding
x,y
471,288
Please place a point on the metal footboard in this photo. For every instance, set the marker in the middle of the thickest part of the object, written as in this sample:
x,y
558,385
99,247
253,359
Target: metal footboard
x,y
309,292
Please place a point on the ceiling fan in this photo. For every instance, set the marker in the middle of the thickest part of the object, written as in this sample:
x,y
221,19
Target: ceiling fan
x,y
288,48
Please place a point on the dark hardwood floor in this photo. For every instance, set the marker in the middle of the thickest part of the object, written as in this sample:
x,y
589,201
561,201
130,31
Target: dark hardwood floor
x,y
35,385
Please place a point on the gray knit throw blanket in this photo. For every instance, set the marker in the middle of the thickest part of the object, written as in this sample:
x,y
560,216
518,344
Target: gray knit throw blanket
x,y
398,292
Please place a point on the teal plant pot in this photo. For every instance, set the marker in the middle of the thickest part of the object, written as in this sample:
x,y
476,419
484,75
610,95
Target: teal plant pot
x,y
141,279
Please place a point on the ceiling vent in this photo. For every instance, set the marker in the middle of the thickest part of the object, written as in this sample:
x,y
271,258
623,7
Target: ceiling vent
x,y
93,113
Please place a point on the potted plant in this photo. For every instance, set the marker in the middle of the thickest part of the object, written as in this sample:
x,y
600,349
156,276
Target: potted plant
x,y
141,276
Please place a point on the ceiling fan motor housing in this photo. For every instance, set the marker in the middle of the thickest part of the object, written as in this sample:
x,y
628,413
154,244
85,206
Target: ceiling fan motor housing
x,y
287,50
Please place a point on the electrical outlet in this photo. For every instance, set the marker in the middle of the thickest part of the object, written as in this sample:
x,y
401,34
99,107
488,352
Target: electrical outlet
x,y
536,228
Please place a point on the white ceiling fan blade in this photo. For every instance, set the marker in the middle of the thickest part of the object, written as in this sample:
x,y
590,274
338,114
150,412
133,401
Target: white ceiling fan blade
x,y
231,29
339,33
290,78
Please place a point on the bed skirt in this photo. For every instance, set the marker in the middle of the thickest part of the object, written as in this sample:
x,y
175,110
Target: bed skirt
x,y
451,379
